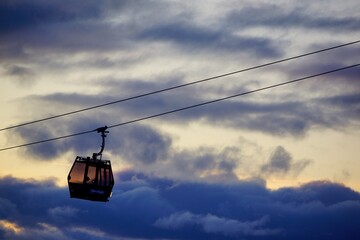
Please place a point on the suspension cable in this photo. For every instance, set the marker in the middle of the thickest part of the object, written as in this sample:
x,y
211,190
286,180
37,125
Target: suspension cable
x,y
180,86
185,108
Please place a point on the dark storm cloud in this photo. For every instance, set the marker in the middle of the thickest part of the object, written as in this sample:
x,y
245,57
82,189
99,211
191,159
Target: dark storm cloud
x,y
141,144
293,118
352,101
197,38
281,162
328,62
73,26
276,16
205,163
167,209
66,27
18,71
327,194
19,15
274,118
64,39
44,151
56,26
23,76
344,104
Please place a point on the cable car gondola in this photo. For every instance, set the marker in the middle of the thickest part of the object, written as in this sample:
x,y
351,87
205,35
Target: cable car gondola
x,y
91,178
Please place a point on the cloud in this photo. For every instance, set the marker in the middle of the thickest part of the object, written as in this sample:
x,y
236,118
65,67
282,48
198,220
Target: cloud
x,y
62,213
204,163
281,162
168,209
118,48
23,76
282,118
142,144
276,16
196,38
63,28
293,115
348,105
213,224
35,13
32,30
322,191
47,32
137,143
9,228
289,118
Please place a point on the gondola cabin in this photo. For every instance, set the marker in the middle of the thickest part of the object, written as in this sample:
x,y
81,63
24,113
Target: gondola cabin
x,y
91,178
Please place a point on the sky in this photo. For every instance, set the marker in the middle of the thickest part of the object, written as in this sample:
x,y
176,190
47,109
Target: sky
x,y
282,163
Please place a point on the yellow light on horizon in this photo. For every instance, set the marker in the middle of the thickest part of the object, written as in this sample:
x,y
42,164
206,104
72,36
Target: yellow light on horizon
x,y
10,226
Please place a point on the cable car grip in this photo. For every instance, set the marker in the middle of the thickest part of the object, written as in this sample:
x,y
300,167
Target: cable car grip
x,y
103,132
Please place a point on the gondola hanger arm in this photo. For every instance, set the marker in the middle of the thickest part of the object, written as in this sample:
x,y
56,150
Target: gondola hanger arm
x,y
103,132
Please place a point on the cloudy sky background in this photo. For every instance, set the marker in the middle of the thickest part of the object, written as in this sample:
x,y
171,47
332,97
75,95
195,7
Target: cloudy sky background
x,y
277,164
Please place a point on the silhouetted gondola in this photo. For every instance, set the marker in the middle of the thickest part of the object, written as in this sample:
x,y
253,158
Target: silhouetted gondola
x,y
92,178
